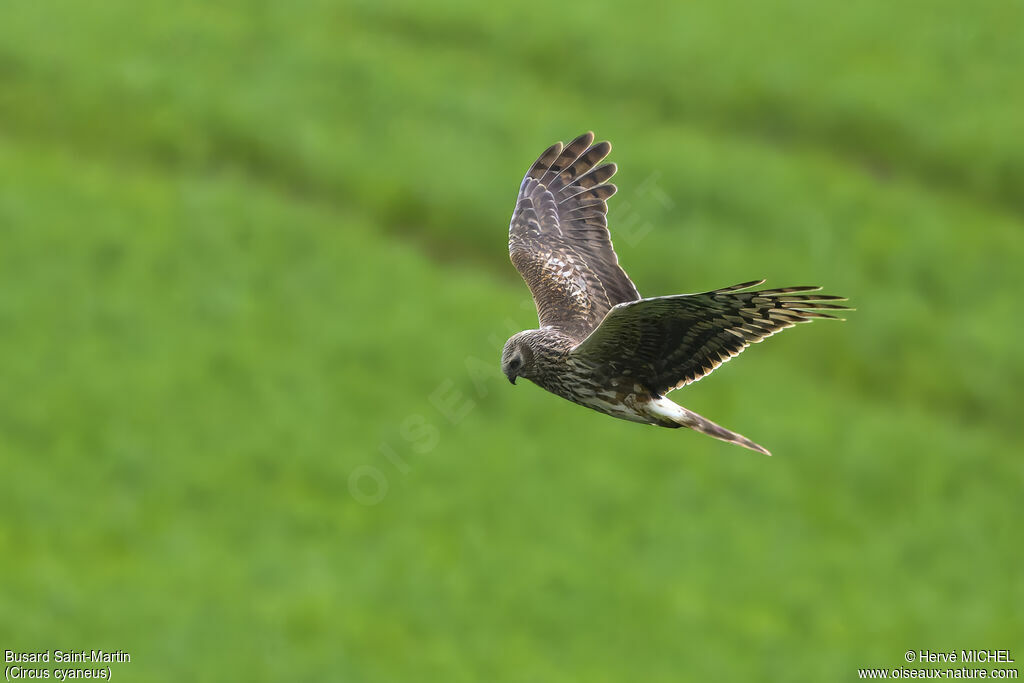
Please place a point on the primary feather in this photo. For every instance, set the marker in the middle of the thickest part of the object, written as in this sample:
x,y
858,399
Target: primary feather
x,y
559,240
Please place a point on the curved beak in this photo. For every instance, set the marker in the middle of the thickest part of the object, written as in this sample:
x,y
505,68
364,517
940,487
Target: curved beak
x,y
508,371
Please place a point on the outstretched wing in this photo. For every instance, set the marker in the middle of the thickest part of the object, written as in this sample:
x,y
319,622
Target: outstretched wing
x,y
669,341
558,238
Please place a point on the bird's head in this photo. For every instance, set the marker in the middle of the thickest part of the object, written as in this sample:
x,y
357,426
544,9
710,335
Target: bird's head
x,y
517,357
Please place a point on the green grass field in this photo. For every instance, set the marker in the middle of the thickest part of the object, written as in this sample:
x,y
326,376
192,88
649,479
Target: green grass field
x,y
253,291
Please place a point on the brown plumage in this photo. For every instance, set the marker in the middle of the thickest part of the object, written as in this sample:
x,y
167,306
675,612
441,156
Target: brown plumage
x,y
600,344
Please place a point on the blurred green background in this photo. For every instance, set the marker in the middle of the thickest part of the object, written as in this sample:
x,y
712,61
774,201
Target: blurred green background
x,y
254,286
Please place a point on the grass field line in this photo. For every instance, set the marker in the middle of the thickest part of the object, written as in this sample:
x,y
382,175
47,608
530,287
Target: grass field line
x,y
216,144
857,138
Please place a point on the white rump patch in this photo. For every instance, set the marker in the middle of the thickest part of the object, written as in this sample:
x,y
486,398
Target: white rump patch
x,y
663,407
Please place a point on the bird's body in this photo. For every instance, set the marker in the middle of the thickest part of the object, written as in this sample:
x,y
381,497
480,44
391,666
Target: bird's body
x,y
599,343
580,380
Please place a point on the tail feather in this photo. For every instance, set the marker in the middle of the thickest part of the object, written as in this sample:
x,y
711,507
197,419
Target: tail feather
x,y
683,417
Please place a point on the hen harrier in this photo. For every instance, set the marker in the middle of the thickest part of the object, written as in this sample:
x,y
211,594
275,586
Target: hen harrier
x,y
599,344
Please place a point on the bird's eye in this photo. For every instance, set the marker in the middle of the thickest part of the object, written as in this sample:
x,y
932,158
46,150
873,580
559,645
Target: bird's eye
x,y
515,363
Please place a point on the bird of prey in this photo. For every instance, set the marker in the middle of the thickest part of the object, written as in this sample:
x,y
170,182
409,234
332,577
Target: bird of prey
x,y
601,345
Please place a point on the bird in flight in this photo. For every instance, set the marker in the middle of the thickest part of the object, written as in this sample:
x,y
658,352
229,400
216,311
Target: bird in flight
x,y
601,345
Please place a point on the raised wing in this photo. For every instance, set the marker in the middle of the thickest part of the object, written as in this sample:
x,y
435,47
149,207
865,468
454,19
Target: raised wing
x,y
558,238
669,341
